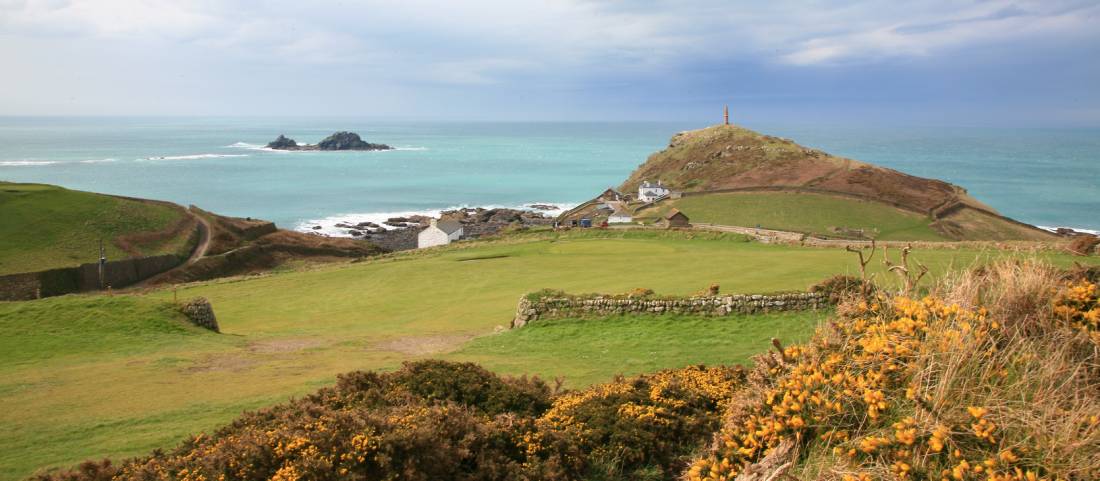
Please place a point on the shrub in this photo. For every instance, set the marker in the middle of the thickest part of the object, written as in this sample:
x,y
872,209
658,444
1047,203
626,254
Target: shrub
x,y
648,424
926,389
841,287
472,385
1084,245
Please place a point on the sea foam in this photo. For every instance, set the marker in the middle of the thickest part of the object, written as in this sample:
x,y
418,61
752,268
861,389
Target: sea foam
x,y
194,156
24,163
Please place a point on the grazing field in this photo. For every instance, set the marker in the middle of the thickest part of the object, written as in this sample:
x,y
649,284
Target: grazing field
x,y
87,376
588,351
44,227
809,213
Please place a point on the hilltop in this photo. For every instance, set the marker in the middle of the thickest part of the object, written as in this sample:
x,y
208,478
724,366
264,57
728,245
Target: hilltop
x,y
732,159
46,227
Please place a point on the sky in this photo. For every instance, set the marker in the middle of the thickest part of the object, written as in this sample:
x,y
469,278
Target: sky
x,y
999,62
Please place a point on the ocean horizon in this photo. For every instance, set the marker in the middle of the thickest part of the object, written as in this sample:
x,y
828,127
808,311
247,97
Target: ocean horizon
x,y
1048,177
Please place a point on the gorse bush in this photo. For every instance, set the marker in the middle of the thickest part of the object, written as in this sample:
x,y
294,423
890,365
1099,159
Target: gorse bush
x,y
435,420
647,424
995,376
925,389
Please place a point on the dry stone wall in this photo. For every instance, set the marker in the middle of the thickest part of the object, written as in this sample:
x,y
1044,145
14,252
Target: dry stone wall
x,y
56,282
534,308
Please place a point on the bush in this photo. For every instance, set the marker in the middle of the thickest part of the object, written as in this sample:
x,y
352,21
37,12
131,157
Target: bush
x,y
636,428
473,386
1084,245
841,287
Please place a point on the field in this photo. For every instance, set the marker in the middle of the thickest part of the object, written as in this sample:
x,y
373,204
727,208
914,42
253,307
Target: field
x,y
44,227
89,376
802,212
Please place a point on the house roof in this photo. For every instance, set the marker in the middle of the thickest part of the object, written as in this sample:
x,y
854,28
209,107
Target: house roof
x,y
620,212
448,226
673,213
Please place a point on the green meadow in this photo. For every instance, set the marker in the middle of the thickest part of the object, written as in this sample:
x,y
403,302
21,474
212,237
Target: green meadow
x,y
44,226
802,212
87,376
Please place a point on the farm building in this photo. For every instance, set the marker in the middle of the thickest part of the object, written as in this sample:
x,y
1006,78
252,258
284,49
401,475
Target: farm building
x,y
675,218
440,232
649,192
611,195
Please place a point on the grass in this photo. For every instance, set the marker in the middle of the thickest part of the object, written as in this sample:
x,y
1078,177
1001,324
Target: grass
x,y
44,227
105,379
802,212
588,351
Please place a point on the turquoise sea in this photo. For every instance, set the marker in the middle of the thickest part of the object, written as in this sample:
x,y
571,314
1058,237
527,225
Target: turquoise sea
x,y
1048,177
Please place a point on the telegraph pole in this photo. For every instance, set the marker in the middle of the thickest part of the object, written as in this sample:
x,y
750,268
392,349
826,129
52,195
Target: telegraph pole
x,y
102,263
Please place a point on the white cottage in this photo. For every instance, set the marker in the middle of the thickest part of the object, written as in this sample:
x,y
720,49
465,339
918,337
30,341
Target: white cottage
x,y
440,232
620,216
649,192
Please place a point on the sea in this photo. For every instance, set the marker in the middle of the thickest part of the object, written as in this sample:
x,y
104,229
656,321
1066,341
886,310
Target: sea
x,y
1043,176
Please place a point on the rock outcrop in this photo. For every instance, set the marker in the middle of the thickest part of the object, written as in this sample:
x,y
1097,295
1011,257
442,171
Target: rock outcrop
x,y
338,141
282,143
200,313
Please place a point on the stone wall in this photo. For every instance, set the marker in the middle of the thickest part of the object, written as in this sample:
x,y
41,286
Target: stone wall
x,y
200,313
536,307
56,282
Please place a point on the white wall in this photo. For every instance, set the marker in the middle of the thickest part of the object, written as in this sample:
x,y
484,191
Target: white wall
x,y
434,236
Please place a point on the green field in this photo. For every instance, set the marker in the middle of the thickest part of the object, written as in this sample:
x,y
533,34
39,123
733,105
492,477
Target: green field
x,y
43,226
587,351
86,376
801,212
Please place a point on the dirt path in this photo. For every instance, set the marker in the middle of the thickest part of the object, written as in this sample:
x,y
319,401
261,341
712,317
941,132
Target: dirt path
x,y
197,253
204,239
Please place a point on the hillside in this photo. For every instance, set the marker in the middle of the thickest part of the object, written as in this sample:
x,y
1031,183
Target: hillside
x,y
727,157
821,215
120,394
991,376
45,226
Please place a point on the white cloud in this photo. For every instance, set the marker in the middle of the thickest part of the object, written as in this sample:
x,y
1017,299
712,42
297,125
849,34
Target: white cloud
x,y
489,45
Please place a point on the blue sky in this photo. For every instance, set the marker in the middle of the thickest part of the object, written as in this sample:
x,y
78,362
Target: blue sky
x,y
1020,63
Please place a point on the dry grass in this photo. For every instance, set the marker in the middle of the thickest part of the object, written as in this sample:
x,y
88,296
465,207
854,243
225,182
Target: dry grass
x,y
994,376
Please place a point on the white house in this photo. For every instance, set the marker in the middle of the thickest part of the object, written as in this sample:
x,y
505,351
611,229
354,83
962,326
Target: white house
x,y
440,232
649,192
620,216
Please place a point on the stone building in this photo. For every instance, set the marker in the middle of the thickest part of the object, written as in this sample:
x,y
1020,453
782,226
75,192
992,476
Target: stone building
x,y
440,232
675,218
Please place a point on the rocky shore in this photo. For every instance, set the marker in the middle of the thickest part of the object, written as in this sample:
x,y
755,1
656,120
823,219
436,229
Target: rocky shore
x,y
336,141
399,233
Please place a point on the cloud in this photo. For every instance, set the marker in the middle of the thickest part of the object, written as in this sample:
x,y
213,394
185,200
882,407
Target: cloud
x,y
484,51
875,37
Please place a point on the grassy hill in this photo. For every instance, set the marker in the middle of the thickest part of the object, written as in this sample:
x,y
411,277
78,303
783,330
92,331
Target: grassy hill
x,y
818,214
44,226
95,376
992,375
726,157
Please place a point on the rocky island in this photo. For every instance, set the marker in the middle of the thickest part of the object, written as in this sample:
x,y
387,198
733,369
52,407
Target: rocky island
x,y
336,141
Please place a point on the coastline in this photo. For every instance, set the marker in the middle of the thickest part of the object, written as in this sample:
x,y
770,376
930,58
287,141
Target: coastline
x,y
329,228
